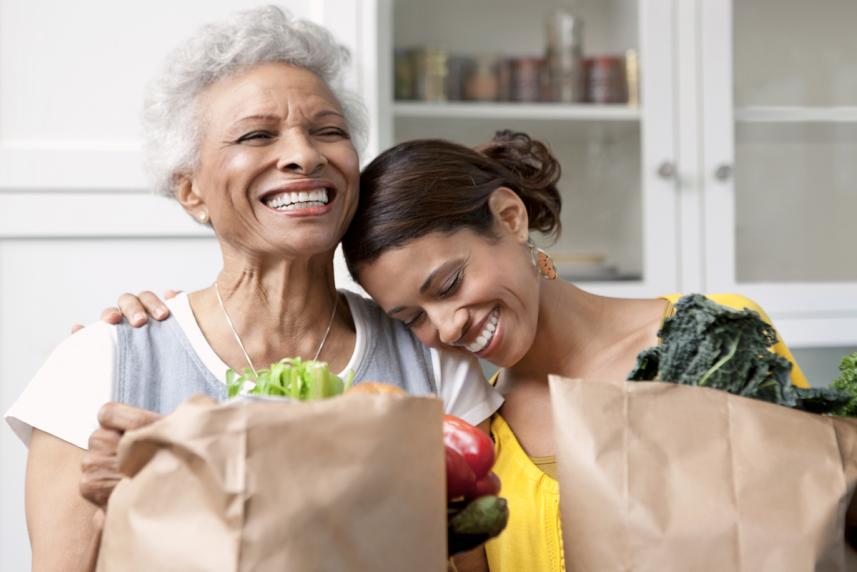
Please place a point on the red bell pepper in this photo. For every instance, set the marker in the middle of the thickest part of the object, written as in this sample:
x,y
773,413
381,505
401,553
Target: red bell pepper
x,y
469,458
487,485
460,478
470,442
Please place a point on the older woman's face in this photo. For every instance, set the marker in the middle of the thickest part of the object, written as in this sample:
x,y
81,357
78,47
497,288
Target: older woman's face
x,y
278,172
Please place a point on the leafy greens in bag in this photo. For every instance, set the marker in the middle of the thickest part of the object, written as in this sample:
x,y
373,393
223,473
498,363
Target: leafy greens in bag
x,y
709,345
290,377
847,382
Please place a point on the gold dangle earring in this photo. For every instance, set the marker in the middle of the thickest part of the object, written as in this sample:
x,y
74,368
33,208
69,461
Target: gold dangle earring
x,y
542,261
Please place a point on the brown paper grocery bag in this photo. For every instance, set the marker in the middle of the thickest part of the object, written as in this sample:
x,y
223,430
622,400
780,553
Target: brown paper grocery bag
x,y
664,477
350,483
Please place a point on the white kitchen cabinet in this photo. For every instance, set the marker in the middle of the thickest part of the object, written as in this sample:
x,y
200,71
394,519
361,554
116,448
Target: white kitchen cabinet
x,y
614,197
779,176
734,174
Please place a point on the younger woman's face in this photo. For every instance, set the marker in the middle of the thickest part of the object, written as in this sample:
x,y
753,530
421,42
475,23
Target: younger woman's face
x,y
462,291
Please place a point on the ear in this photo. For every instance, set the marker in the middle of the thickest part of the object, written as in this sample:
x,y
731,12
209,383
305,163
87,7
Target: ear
x,y
188,195
510,213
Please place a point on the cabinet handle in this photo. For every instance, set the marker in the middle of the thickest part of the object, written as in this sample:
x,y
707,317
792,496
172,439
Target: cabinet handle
x,y
666,170
723,173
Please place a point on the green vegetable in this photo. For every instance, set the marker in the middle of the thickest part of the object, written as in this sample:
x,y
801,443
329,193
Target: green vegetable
x,y
480,520
289,377
847,383
710,345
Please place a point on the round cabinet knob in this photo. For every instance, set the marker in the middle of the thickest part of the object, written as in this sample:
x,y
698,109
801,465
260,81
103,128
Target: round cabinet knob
x,y
666,170
723,172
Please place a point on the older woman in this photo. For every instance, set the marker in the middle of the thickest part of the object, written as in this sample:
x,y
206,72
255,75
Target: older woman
x,y
247,129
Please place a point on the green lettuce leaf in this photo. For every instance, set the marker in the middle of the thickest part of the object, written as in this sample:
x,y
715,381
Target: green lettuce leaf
x,y
290,377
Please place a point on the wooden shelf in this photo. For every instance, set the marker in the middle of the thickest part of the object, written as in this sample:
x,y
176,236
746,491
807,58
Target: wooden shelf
x,y
539,111
772,114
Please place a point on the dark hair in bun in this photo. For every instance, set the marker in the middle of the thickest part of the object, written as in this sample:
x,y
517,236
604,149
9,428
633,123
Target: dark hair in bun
x,y
432,185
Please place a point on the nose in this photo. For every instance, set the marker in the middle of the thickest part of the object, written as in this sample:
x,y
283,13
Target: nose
x,y
298,153
451,324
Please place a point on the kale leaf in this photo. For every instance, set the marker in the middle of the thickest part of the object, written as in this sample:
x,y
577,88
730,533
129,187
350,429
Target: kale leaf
x,y
709,345
847,383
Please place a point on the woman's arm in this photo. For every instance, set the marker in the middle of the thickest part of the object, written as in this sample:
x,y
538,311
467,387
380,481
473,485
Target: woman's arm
x,y
63,527
137,309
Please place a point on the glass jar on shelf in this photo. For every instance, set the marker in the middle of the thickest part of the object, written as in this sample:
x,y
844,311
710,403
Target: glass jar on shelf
x,y
564,57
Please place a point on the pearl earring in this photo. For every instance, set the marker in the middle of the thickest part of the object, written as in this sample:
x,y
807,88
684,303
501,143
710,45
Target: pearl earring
x,y
202,217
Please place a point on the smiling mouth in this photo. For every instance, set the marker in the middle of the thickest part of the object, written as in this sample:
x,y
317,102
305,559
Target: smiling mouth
x,y
487,334
297,200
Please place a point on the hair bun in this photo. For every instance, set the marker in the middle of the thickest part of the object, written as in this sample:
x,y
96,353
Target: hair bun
x,y
537,172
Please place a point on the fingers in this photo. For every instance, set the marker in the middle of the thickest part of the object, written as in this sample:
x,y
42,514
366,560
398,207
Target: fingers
x,y
120,417
154,306
99,467
76,328
170,294
104,441
132,309
111,315
137,309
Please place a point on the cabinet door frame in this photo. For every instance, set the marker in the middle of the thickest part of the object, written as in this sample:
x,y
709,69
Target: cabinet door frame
x,y
806,313
659,199
661,246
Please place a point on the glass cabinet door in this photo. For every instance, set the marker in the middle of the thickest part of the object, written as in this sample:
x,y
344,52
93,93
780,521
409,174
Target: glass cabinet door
x,y
463,70
780,128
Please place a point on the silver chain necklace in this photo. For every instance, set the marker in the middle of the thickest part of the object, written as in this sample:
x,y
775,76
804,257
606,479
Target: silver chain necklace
x,y
241,344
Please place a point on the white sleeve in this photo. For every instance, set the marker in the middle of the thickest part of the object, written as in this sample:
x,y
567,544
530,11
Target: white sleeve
x,y
463,388
64,396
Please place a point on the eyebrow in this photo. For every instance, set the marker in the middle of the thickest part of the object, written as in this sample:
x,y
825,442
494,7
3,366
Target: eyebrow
x,y
446,266
258,117
326,112
270,117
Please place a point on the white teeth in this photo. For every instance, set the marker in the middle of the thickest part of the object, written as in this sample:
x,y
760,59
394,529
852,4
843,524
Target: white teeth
x,y
299,206
487,334
288,201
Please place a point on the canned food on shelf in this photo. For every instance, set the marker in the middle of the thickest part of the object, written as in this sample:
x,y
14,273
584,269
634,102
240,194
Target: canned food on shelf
x,y
605,79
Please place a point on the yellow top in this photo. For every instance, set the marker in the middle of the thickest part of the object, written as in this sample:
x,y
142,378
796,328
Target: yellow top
x,y
532,540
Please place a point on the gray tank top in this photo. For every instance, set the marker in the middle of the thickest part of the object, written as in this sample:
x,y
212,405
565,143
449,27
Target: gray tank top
x,y
157,367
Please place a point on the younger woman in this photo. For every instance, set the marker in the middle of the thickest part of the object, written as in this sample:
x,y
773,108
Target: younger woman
x,y
441,241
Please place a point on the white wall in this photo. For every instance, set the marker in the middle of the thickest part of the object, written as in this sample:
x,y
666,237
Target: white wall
x,y
77,227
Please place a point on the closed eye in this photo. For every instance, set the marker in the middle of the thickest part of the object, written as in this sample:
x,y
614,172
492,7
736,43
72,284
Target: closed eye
x,y
452,286
415,321
333,133
255,136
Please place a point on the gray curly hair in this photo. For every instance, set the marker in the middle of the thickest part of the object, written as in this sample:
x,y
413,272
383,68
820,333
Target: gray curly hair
x,y
171,124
